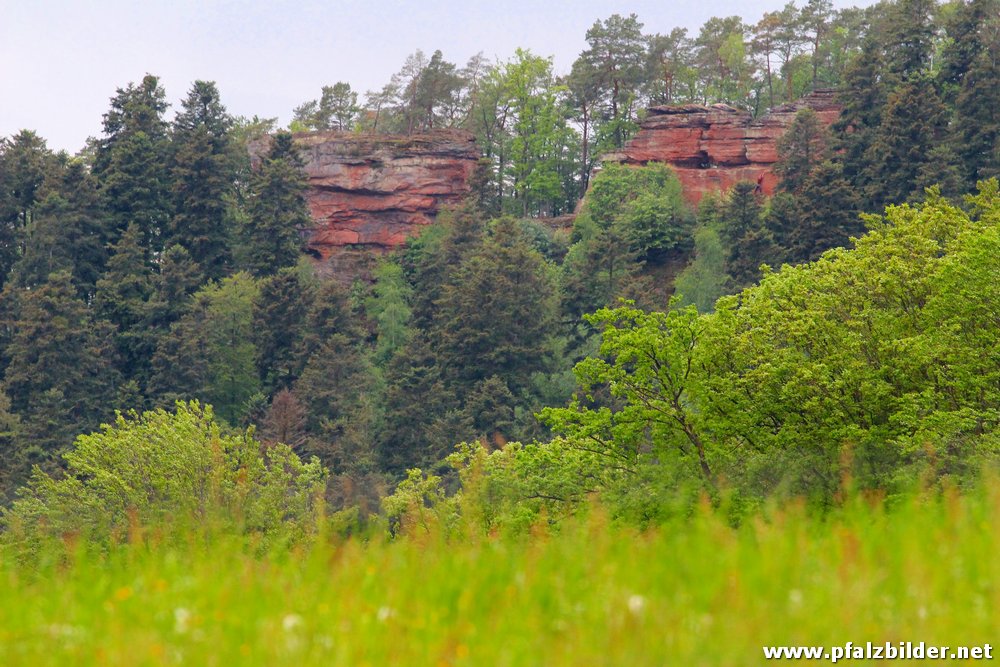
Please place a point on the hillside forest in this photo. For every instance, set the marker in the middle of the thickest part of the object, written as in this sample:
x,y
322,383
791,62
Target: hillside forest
x,y
843,331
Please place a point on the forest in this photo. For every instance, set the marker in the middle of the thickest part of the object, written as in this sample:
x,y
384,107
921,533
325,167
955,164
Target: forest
x,y
755,370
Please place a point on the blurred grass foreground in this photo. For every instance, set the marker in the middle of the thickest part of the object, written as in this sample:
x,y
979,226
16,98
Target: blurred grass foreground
x,y
695,591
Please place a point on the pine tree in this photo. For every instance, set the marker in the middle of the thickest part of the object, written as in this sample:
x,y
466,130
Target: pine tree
x,y
131,162
279,317
748,240
25,163
828,212
913,124
506,282
616,57
203,170
277,212
61,379
122,299
800,149
977,109
389,307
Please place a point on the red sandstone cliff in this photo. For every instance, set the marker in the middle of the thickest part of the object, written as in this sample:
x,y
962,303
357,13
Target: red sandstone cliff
x,y
368,193
714,147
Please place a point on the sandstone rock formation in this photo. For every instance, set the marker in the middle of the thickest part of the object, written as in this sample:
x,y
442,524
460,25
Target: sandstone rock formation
x,y
368,193
714,147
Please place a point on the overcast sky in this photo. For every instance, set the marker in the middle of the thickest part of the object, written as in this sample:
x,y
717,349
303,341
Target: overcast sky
x,y
61,60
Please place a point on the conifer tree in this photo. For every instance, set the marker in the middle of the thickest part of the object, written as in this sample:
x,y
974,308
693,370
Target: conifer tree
x,y
180,365
490,408
597,270
969,27
203,169
829,212
122,299
801,148
977,107
389,307
433,257
913,124
748,240
15,461
131,162
177,279
25,162
209,353
909,38
330,314
508,282
61,379
279,315
284,421
85,222
336,386
416,398
277,212
864,97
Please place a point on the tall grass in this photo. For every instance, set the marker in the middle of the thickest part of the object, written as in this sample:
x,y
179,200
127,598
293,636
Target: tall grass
x,y
694,592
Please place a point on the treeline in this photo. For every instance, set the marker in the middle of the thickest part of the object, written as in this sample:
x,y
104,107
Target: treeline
x,y
544,131
918,80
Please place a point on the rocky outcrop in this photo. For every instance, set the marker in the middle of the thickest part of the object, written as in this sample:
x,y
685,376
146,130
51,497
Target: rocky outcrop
x,y
368,193
714,147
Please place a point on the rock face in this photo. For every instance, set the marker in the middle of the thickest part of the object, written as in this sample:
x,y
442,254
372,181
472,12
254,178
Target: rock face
x,y
714,147
368,193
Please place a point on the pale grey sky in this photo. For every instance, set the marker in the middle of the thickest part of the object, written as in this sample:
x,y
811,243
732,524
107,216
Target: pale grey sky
x,y
61,60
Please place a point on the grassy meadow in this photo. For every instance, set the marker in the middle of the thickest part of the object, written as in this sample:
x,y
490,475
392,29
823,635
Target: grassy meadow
x,y
694,592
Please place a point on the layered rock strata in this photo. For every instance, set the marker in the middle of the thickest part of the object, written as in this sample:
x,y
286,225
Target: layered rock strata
x,y
714,147
368,193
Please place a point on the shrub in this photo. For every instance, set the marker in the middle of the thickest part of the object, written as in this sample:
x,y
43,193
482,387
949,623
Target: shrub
x,y
174,468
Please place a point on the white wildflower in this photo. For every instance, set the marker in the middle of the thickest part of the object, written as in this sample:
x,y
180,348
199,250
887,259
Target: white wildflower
x,y
636,604
290,622
795,597
182,617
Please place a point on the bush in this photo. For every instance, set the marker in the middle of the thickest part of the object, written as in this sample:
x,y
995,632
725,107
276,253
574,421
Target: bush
x,y
644,202
170,468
